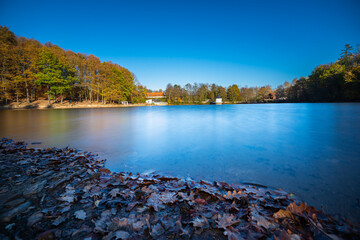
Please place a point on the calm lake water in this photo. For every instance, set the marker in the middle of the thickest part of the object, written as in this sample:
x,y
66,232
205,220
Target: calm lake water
x,y
312,150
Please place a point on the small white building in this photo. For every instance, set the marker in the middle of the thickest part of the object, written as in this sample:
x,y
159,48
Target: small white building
x,y
218,100
124,102
149,101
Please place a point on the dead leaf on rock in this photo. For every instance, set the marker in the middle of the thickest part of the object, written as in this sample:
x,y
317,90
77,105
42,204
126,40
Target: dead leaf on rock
x,y
226,220
121,223
104,170
200,201
168,197
200,222
186,197
137,225
157,231
298,210
261,221
114,192
233,234
81,214
154,201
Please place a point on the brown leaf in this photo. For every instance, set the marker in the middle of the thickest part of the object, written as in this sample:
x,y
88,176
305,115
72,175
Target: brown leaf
x,y
283,214
200,201
122,223
104,170
299,210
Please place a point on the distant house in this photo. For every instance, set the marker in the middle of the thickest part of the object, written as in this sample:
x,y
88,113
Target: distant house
x,y
149,101
155,95
272,96
218,100
124,102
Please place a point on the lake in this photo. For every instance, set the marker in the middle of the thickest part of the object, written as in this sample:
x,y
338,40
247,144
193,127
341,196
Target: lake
x,y
311,150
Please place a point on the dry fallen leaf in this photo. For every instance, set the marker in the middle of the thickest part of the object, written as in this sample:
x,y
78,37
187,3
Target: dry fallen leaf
x,y
168,197
226,220
81,214
114,192
200,201
299,210
200,222
283,214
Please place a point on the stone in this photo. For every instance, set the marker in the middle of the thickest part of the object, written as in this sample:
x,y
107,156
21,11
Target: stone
x,y
36,217
6,217
14,203
34,189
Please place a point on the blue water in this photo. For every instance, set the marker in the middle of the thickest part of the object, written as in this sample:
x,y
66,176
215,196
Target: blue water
x,y
312,150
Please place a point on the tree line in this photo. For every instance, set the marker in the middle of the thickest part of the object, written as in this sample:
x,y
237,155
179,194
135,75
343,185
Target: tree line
x,y
30,70
333,82
202,92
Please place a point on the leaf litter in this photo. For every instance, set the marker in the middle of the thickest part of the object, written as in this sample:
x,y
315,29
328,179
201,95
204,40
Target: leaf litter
x,y
64,193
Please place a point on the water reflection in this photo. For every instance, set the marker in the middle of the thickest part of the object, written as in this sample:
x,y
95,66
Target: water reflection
x,y
309,149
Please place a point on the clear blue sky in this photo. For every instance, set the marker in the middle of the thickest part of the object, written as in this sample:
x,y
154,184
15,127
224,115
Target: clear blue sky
x,y
244,42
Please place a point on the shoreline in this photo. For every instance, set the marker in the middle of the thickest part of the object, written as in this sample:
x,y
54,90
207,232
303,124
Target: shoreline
x,y
68,194
40,105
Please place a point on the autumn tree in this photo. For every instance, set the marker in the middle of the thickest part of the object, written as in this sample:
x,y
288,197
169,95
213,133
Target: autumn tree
x,y
233,93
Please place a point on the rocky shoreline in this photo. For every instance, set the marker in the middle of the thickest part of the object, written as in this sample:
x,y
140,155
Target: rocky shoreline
x,y
68,194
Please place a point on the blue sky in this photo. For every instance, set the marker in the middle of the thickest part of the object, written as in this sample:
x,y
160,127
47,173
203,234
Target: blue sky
x,y
224,42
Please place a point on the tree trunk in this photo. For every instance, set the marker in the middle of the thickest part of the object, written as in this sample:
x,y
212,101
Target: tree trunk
x,y
98,91
27,92
49,94
17,94
62,98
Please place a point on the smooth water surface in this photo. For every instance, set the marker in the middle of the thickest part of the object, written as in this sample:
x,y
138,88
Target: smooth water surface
x,y
312,150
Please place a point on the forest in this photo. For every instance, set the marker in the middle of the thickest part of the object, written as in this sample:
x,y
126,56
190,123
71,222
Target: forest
x,y
30,71
333,82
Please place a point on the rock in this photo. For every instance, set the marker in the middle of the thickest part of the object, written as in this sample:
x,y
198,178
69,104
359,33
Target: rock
x,y
44,175
36,217
6,217
122,235
34,189
48,235
14,203
59,220
62,180
157,230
